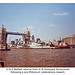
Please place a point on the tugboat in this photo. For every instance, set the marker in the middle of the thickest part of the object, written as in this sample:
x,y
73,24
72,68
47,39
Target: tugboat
x,y
62,46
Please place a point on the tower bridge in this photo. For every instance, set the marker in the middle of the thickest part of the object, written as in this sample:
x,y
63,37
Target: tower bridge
x,y
4,34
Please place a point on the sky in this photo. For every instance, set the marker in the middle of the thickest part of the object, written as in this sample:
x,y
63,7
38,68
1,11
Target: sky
x,y
47,21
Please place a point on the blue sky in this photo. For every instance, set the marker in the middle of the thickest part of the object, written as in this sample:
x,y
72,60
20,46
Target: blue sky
x,y
46,21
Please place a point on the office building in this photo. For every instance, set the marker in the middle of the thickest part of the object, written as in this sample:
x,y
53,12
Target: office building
x,y
33,39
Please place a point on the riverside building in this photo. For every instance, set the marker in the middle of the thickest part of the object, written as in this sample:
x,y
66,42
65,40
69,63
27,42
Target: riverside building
x,y
69,40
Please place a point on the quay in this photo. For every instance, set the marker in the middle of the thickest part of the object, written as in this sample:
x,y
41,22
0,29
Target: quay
x,y
1,64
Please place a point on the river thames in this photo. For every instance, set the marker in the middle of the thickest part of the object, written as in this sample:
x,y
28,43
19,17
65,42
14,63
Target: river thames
x,y
38,57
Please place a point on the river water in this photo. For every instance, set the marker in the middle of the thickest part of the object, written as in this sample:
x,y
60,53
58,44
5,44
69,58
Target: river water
x,y
38,57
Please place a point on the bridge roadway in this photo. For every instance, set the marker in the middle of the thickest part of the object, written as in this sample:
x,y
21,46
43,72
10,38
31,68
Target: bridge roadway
x,y
15,33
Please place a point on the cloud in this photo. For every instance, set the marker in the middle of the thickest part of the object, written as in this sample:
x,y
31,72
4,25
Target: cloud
x,y
32,31
52,25
24,28
61,14
37,31
30,27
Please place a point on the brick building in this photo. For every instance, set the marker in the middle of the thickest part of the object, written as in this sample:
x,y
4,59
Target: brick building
x,y
69,40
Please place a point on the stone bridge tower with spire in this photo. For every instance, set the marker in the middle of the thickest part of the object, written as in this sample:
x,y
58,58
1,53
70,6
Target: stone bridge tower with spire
x,y
26,39
3,37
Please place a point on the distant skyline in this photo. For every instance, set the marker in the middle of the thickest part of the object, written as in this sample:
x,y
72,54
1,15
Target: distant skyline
x,y
46,21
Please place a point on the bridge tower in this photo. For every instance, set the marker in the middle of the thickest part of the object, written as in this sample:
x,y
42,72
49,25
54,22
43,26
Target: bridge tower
x,y
3,37
26,39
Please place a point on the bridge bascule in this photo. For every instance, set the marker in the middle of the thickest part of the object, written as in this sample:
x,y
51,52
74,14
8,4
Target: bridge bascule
x,y
4,34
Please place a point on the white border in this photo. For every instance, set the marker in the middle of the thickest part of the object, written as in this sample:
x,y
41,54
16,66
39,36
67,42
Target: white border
x,y
3,71
37,1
